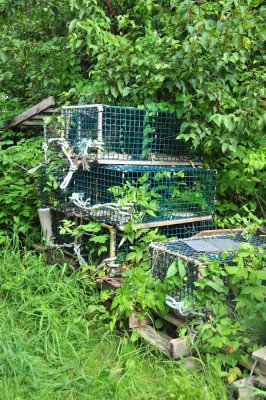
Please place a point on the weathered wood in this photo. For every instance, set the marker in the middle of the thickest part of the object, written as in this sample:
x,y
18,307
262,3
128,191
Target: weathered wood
x,y
172,319
244,388
144,162
108,283
249,365
43,105
217,232
167,223
159,340
136,322
40,116
261,381
180,348
260,355
32,123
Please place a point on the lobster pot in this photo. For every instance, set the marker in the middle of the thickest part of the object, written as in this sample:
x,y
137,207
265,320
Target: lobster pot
x,y
175,193
178,231
186,230
125,134
50,193
57,223
194,253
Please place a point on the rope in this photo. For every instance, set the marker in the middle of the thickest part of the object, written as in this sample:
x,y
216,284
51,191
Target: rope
x,y
81,260
253,368
84,204
105,262
180,307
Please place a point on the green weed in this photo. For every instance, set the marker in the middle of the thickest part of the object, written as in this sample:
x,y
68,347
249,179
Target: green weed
x,y
51,350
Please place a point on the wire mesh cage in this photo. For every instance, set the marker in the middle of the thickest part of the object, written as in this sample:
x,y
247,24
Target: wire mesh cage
x,y
124,134
165,193
57,222
50,193
196,252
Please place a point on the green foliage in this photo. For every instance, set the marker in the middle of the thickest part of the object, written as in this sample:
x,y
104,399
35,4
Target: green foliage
x,y
203,60
234,296
18,188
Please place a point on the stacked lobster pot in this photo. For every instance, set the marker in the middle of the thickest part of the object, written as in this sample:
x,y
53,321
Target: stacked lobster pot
x,y
119,164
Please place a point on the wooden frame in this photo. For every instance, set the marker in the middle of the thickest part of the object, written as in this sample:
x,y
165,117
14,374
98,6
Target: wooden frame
x,y
44,105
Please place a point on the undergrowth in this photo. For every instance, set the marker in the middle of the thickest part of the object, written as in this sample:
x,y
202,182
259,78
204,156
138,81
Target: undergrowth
x,y
50,350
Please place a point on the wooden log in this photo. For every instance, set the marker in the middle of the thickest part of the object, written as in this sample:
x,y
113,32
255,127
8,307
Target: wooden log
x,y
43,105
180,348
159,340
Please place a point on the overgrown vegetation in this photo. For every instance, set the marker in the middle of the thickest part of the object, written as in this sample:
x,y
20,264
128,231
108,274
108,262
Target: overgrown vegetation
x,y
51,348
204,61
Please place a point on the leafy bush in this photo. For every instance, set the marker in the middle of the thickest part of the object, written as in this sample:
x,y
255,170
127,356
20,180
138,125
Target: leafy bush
x,y
18,189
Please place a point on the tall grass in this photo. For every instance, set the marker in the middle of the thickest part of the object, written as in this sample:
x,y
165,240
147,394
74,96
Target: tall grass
x,y
50,350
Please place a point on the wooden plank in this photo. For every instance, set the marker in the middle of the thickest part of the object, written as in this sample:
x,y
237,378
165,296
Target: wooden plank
x,y
108,283
260,355
159,340
40,116
249,365
217,232
261,381
144,162
172,319
45,104
50,110
32,123
180,348
167,223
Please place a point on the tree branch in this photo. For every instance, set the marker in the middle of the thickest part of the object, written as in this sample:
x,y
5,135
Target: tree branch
x,y
110,7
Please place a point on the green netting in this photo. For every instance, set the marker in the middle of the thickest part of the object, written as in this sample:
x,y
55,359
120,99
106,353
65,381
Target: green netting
x,y
195,251
124,133
174,192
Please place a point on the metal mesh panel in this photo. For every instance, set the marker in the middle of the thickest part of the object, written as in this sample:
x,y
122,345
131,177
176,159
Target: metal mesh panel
x,y
126,133
59,238
180,192
179,231
49,191
165,253
186,230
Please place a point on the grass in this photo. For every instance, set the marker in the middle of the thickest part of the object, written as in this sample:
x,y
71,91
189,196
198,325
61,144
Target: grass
x,y
50,350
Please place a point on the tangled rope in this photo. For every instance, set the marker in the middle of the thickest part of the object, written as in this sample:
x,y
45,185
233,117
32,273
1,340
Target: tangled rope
x,y
180,307
114,207
81,260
